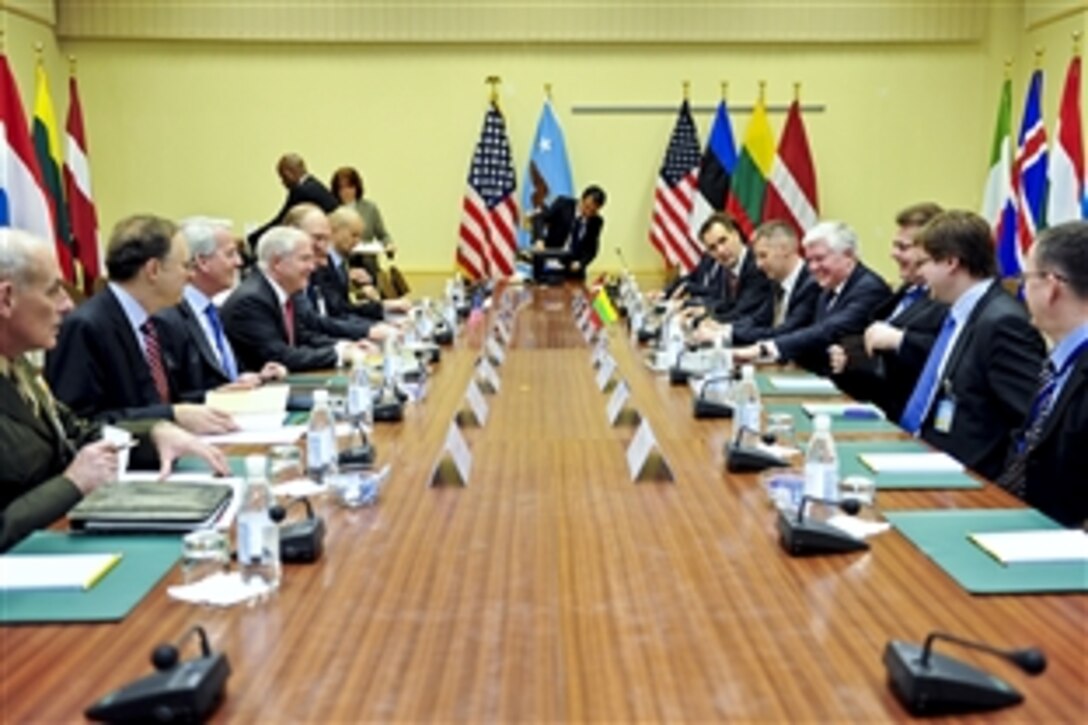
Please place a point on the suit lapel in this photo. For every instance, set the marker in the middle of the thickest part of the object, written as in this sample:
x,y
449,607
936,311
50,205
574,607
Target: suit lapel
x,y
264,289
131,347
13,405
968,334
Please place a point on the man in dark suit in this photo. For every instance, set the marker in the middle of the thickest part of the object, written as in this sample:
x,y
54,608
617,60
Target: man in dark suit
x,y
261,318
793,292
572,235
744,292
1048,461
870,366
52,458
200,356
302,188
110,362
977,379
850,292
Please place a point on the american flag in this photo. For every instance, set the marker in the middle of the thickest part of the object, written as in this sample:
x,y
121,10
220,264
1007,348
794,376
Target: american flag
x,y
674,196
487,240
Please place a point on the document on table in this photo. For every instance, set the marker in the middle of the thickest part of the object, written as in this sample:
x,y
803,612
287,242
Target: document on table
x,y
264,399
858,411
1034,547
911,463
801,383
54,571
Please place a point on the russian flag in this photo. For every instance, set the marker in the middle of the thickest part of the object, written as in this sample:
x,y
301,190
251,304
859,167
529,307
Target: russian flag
x,y
1066,201
1029,174
23,203
998,202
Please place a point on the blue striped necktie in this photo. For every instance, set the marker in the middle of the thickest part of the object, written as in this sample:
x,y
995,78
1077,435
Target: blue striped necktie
x,y
1014,478
226,357
914,414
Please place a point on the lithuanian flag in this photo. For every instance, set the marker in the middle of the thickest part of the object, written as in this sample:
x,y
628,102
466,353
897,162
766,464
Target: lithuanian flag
x,y
603,308
51,161
749,182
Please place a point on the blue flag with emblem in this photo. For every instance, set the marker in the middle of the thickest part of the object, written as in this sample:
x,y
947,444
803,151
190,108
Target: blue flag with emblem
x,y
548,174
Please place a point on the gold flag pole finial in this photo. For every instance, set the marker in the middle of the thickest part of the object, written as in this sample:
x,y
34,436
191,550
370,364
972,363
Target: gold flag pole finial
x,y
71,65
548,91
762,92
1038,57
1008,68
687,90
725,90
1077,35
39,51
797,91
494,82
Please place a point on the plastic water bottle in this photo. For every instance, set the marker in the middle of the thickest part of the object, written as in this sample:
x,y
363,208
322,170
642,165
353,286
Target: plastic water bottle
x,y
822,462
321,439
721,360
748,413
360,403
257,538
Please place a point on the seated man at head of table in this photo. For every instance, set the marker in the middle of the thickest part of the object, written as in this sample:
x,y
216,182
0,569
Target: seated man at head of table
x,y
741,291
978,378
571,236
850,293
52,458
313,305
881,365
260,315
200,356
302,188
793,290
110,361
337,278
1047,465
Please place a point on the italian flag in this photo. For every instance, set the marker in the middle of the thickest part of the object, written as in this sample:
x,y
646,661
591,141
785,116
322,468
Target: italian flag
x,y
748,186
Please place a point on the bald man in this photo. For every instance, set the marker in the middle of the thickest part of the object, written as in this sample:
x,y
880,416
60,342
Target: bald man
x,y
301,188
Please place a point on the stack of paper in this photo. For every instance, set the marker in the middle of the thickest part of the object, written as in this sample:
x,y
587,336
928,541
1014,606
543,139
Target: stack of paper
x,y
54,571
801,383
259,409
1034,547
911,463
859,411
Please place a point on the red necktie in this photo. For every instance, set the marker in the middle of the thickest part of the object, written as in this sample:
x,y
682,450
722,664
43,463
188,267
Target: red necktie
x,y
289,320
154,360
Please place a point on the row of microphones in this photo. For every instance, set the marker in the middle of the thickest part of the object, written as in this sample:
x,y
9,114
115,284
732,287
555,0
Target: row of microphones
x,y
186,691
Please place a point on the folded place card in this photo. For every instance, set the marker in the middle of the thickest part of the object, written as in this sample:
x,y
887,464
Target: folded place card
x,y
638,452
486,373
495,351
457,449
605,371
617,401
476,402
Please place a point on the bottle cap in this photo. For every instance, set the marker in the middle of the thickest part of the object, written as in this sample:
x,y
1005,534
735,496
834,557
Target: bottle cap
x,y
256,466
748,372
822,423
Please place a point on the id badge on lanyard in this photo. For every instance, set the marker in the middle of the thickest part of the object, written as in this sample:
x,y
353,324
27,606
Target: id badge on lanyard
x,y
946,409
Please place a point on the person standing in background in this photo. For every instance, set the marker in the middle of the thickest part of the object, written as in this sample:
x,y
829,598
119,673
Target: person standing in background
x,y
347,186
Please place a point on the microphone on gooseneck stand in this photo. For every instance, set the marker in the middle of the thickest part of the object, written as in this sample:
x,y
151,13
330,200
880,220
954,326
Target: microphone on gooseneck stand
x,y
928,683
177,692
300,541
623,261
800,536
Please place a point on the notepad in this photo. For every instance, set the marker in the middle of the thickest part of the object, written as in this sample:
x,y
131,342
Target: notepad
x,y
265,399
27,572
1034,547
801,383
857,411
911,463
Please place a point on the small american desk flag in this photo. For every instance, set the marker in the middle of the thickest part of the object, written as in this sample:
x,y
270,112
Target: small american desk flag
x,y
674,196
487,241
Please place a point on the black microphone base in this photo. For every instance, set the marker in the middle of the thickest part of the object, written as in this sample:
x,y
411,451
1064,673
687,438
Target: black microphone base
x,y
814,537
678,375
703,408
389,411
944,685
361,456
189,692
648,334
302,542
743,459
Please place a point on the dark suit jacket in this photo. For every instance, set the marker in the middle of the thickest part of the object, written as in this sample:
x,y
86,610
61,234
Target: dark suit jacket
x,y
192,365
704,280
863,291
308,190
98,367
254,323
800,312
561,222
991,374
334,288
1057,467
888,378
33,489
753,301
341,327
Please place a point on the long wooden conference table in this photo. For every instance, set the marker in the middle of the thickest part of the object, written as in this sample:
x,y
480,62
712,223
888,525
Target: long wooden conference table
x,y
552,588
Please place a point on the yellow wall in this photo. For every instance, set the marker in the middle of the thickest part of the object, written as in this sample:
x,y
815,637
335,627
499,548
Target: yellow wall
x,y
185,127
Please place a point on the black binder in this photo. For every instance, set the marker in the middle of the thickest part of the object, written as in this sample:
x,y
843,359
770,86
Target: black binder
x,y
150,506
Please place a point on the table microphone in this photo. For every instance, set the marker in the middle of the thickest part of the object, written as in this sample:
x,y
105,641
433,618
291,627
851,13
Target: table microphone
x,y
300,541
704,407
928,683
801,536
177,692
744,458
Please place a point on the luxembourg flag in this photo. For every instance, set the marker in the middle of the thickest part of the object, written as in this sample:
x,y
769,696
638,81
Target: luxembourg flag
x,y
998,203
1029,174
23,203
1066,200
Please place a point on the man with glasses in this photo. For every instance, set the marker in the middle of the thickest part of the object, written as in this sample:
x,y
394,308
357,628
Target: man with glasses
x,y
200,356
977,379
1048,461
110,363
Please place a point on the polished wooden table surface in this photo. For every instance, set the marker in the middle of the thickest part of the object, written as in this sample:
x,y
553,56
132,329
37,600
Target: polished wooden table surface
x,y
554,589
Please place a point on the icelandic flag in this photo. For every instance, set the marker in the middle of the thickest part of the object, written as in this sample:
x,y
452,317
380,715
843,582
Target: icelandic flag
x,y
548,173
1029,175
23,202
998,202
1066,200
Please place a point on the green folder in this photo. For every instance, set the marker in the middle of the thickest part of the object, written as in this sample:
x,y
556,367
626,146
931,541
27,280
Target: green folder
x,y
808,386
144,561
942,536
192,464
850,465
802,423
